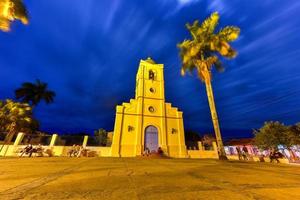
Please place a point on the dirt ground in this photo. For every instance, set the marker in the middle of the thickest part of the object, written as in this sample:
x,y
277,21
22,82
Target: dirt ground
x,y
137,178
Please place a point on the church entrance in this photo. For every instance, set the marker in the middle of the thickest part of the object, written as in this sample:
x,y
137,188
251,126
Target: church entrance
x,y
151,138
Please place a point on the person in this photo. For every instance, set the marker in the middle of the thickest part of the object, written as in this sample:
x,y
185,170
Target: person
x,y
146,151
245,153
77,149
49,152
32,150
272,156
261,157
275,155
238,150
39,150
160,152
72,151
80,151
26,150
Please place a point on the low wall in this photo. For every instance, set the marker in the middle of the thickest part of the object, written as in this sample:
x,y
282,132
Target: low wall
x,y
14,149
99,151
11,150
201,153
6,149
256,159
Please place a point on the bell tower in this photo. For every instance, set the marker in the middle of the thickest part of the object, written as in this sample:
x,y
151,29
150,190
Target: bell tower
x,y
147,121
149,90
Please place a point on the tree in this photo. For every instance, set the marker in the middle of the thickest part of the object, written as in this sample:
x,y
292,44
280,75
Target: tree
x,y
294,138
294,134
11,10
101,136
271,135
208,139
16,117
202,53
33,93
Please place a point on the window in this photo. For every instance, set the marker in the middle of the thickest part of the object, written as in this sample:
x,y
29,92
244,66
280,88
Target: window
x,y
151,75
152,90
151,109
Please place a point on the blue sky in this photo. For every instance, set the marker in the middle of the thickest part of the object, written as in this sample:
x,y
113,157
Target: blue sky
x,y
88,52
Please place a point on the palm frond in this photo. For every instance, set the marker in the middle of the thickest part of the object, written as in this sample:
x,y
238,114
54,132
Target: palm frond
x,y
11,10
229,33
193,28
231,53
209,24
20,11
210,61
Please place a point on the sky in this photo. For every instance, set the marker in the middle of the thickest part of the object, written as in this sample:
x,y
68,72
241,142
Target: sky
x,y
89,51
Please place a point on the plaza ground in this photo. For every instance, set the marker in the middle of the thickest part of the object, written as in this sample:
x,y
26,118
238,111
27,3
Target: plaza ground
x,y
137,178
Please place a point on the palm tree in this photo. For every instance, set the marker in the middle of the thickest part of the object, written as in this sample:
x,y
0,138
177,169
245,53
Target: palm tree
x,y
16,117
33,93
202,53
11,10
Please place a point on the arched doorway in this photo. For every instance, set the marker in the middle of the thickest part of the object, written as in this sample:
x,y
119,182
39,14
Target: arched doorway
x,y
151,138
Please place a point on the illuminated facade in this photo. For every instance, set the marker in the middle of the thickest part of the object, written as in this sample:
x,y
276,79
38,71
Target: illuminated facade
x,y
148,121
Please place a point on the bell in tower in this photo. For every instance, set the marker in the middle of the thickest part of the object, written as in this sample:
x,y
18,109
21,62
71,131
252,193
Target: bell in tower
x,y
151,75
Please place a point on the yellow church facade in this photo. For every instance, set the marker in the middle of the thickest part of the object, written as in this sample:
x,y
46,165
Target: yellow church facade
x,y
147,121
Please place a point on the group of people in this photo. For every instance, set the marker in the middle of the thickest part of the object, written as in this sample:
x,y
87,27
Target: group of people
x,y
29,150
147,152
77,151
243,153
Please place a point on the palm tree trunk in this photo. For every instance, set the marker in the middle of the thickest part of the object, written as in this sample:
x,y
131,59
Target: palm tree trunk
x,y
214,116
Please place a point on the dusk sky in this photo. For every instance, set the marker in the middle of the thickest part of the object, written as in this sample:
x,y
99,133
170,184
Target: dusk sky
x,y
88,51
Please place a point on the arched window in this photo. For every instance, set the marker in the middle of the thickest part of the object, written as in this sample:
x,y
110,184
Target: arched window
x,y
151,75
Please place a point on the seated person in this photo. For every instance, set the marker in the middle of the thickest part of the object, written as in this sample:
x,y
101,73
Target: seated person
x,y
160,151
80,151
275,155
37,150
146,151
49,152
72,151
26,150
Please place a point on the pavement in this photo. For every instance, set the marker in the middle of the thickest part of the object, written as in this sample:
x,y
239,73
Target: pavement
x,y
142,178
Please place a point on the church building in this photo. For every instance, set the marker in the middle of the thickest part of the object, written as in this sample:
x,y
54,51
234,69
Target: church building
x,y
147,121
